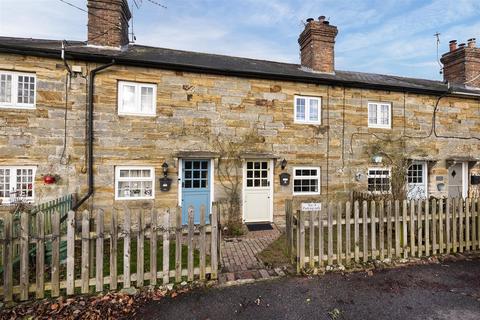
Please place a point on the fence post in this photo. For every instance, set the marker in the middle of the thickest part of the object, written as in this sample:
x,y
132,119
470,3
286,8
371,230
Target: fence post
x,y
373,229
8,259
397,228
301,222
455,209
288,226
24,274
55,292
126,248
356,231
348,244
448,225
331,207
190,244
323,208
311,240
461,233
178,245
381,229
365,231
203,240
419,227
71,252
215,244
405,228
389,229
339,233
113,251
412,228
40,256
427,227
440,227
434,226
153,246
99,251
166,247
473,226
85,251
467,225
140,249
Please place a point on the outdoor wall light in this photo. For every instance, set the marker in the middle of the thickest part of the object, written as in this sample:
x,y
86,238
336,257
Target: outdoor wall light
x,y
377,159
283,164
165,169
165,182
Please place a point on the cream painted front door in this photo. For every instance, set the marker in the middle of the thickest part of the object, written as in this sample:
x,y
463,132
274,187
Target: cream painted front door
x,y
257,191
457,180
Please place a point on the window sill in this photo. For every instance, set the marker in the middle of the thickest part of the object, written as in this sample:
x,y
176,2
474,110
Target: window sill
x,y
17,107
306,194
319,123
371,126
129,114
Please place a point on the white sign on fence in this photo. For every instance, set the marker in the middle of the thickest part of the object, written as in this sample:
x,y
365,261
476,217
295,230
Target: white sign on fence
x,y
311,206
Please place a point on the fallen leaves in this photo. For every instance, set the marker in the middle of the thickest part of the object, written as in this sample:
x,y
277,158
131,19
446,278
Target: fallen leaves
x,y
111,305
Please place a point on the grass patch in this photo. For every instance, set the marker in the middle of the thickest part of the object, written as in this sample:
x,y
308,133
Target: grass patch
x,y
275,255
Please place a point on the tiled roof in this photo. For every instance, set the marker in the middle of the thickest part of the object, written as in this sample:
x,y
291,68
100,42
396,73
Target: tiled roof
x,y
221,64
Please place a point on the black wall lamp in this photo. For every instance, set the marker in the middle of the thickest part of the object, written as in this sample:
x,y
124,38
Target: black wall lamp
x,y
283,164
165,182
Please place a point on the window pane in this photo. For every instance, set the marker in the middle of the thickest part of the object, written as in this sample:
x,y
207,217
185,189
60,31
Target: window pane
x,y
147,100
300,106
128,98
385,114
372,113
313,114
5,88
26,89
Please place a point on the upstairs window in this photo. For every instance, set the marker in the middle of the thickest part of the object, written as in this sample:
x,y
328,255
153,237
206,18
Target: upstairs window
x,y
134,183
137,98
380,115
17,184
306,180
379,180
17,90
308,110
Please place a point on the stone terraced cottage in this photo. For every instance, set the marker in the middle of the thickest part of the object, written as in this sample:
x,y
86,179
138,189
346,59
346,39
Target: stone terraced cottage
x,y
119,123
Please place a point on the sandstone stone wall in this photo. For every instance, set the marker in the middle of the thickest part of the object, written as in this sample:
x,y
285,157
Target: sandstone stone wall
x,y
192,109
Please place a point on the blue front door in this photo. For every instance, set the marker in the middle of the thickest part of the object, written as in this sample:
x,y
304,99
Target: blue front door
x,y
195,188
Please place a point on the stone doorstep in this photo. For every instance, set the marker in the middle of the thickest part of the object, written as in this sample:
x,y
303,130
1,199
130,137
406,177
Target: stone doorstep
x,y
248,276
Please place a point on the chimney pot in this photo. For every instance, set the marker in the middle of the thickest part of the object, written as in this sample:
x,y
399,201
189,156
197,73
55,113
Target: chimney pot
x,y
326,22
461,45
310,20
321,18
453,45
472,43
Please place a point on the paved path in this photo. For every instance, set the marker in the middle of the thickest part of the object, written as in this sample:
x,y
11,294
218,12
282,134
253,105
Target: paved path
x,y
240,254
450,290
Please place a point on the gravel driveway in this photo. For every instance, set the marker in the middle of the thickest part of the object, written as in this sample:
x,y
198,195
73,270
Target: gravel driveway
x,y
450,290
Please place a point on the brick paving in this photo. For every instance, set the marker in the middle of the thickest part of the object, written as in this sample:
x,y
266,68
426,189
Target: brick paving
x,y
239,256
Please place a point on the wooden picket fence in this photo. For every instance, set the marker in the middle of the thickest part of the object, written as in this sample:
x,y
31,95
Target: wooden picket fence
x,y
343,233
93,255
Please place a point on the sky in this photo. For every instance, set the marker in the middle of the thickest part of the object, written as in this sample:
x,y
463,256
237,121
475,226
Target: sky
x,y
380,36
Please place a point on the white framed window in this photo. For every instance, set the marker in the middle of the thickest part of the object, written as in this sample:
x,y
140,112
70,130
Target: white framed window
x,y
17,183
308,110
380,115
379,180
17,90
134,183
306,180
138,99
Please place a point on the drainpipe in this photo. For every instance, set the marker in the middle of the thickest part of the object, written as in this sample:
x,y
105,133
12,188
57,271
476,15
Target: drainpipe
x,y
91,88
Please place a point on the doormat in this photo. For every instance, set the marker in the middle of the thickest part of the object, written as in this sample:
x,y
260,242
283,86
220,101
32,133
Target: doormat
x,y
259,227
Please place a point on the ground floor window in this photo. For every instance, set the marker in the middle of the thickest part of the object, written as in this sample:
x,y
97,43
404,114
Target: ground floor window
x,y
17,183
379,180
134,182
306,181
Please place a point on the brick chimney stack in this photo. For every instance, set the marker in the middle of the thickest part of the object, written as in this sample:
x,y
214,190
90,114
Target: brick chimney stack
x,y
461,65
317,44
108,22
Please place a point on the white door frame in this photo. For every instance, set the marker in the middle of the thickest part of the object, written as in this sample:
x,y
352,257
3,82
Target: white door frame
x,y
244,187
465,179
212,181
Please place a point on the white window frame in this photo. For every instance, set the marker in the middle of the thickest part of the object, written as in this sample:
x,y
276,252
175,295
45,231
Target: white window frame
x,y
307,110
294,177
14,104
120,179
13,184
380,176
138,98
377,105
